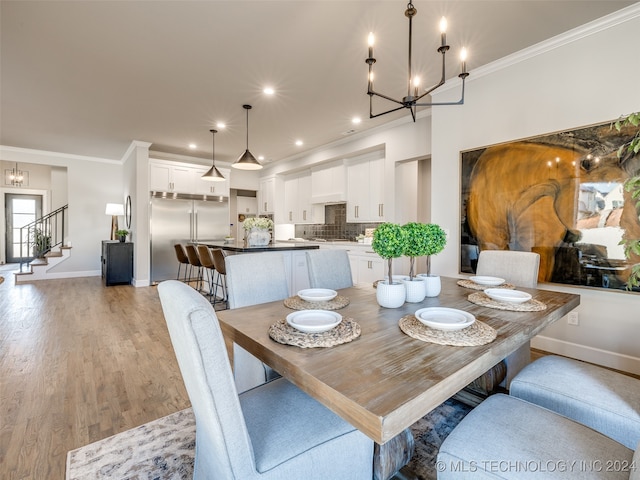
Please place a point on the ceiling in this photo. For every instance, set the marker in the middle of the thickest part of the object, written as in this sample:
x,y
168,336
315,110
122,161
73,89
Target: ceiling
x,y
89,77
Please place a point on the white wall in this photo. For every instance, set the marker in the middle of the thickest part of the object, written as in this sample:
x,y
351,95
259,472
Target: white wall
x,y
92,183
589,76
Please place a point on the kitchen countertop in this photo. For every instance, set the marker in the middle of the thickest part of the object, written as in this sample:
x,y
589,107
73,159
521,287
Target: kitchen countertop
x,y
347,243
240,247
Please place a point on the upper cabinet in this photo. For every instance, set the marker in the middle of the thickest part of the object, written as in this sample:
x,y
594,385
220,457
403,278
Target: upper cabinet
x,y
170,177
247,205
166,176
365,191
328,183
267,195
207,187
297,199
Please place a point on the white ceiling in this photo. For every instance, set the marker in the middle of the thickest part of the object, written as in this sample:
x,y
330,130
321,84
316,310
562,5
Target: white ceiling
x,y
89,77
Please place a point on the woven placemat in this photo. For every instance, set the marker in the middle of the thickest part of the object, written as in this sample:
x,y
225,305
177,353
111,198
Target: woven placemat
x,y
296,303
478,333
346,331
481,298
475,286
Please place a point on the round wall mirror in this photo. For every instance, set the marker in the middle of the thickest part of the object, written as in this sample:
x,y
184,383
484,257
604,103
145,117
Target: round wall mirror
x,y
127,211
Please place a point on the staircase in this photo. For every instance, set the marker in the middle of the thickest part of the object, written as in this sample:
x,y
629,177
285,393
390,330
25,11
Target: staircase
x,y
39,268
44,239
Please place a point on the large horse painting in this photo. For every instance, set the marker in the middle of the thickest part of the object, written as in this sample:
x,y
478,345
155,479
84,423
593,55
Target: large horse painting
x,y
560,195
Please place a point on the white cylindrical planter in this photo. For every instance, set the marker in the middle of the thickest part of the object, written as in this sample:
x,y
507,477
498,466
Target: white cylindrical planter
x,y
390,296
416,289
432,284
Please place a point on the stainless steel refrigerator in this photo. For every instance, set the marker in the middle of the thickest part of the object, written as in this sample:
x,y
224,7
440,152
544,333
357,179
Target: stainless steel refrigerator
x,y
180,218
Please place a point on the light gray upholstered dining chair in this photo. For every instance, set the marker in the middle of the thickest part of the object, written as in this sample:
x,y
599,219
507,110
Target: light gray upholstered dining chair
x,y
518,268
508,438
521,270
329,269
254,278
274,431
606,401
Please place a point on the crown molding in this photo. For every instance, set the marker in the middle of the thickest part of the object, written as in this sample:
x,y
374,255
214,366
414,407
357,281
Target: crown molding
x,y
5,149
132,146
604,23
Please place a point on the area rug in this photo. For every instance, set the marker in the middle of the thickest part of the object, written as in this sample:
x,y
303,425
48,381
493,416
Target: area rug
x,y
164,449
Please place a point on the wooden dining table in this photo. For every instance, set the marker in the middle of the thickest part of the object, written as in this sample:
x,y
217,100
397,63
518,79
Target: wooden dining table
x,y
384,381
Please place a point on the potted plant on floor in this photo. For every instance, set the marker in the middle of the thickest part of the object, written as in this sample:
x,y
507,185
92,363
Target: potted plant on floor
x,y
41,243
434,242
389,241
122,235
631,149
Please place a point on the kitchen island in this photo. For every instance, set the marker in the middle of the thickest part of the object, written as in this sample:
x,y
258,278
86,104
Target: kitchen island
x,y
239,246
295,259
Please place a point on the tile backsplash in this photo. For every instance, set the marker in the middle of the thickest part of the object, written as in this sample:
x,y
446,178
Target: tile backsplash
x,y
335,225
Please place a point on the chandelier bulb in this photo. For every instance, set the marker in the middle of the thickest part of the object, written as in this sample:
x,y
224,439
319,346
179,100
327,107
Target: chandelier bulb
x,y
443,25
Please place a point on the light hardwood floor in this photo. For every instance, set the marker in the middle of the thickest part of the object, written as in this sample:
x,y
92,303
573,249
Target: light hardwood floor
x,y
78,362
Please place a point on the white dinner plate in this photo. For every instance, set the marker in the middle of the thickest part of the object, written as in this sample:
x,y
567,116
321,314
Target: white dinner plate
x,y
443,318
317,294
314,321
509,296
485,280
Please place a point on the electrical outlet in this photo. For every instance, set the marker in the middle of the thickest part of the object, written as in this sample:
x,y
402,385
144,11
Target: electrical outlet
x,y
573,319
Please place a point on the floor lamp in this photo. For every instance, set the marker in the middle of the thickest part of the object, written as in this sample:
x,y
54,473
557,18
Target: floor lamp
x,y
114,209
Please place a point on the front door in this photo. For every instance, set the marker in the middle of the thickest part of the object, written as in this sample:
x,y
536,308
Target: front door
x,y
20,210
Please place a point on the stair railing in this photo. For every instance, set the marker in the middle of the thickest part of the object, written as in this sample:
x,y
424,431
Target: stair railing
x,y
43,234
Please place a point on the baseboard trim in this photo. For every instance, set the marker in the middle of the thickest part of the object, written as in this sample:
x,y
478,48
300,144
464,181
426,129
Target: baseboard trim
x,y
617,361
88,273
140,283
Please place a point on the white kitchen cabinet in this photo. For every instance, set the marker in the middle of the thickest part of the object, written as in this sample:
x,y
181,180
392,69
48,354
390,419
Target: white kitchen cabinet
x,y
328,183
247,205
366,266
267,195
169,177
295,264
365,191
297,199
206,187
305,211
299,272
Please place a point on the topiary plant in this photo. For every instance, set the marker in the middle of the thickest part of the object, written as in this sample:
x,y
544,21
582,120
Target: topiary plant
x,y
389,241
417,243
436,240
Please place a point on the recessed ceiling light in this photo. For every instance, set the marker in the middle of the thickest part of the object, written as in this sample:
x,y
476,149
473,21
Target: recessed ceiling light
x,y
299,142
269,91
260,157
356,120
220,125
193,146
